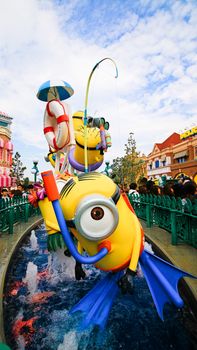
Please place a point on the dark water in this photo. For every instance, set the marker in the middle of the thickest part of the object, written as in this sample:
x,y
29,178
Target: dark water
x,y
133,322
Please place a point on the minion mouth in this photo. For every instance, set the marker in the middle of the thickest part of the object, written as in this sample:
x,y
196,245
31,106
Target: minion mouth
x,y
88,148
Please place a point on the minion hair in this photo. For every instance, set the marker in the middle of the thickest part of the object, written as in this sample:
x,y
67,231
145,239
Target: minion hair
x,y
67,188
89,176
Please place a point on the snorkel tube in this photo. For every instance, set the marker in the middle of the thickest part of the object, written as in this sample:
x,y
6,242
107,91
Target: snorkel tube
x,y
53,196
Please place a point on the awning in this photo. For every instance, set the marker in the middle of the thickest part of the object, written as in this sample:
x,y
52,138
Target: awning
x,y
1,143
180,154
5,181
9,146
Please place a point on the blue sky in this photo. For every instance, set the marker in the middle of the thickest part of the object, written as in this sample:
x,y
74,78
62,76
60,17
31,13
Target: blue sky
x,y
154,44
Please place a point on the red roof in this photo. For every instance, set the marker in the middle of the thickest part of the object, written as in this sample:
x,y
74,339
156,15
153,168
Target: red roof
x,y
170,141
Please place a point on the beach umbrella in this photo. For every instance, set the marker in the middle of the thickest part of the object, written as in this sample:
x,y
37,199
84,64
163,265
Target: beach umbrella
x,y
54,89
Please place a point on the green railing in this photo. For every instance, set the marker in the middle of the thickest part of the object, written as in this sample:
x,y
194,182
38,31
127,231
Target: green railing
x,y
170,214
15,210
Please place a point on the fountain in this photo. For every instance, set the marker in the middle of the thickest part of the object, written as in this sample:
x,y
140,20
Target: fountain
x,y
31,277
37,316
33,240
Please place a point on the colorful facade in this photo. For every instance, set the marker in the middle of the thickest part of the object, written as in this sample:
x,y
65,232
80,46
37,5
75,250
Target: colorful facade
x,y
175,156
185,158
6,150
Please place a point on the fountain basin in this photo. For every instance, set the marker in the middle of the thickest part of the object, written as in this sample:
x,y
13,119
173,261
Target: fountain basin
x,y
8,246
133,322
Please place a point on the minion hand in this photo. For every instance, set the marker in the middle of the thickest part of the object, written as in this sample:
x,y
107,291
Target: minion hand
x,y
79,272
126,282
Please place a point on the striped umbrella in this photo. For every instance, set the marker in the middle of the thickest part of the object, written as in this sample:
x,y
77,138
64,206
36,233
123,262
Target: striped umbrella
x,y
53,89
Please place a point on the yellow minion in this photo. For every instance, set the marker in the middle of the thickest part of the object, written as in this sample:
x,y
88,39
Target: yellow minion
x,y
76,154
77,120
99,216
103,222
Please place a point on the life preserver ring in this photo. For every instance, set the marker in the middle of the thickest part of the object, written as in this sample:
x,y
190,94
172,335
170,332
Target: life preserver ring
x,y
56,124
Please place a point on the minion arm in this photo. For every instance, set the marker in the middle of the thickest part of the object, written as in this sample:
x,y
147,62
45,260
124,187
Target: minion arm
x,y
135,253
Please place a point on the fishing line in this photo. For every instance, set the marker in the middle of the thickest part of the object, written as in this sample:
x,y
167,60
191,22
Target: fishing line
x,y
117,112
86,106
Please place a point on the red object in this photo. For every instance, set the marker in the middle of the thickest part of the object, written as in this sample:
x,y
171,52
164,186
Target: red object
x,y
24,328
127,202
33,199
105,244
62,118
170,141
50,185
48,129
142,241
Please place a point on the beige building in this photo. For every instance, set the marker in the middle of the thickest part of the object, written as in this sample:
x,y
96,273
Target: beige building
x,y
175,156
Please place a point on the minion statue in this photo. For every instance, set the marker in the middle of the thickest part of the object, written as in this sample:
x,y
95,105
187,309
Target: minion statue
x,y
102,220
91,208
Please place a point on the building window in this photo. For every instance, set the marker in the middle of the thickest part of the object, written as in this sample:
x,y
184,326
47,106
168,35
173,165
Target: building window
x,y
157,164
163,163
181,160
150,166
1,153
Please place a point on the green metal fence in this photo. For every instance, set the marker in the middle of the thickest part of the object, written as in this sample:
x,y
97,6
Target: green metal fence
x,y
170,214
14,210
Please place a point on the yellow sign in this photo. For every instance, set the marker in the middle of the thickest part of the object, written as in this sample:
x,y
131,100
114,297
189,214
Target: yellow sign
x,y
191,132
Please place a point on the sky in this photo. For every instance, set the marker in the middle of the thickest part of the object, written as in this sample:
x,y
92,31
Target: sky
x,y
153,43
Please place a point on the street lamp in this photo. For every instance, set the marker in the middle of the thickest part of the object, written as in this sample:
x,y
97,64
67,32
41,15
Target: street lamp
x,y
35,170
108,169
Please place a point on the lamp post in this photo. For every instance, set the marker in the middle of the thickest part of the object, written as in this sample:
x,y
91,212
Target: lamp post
x,y
108,169
35,170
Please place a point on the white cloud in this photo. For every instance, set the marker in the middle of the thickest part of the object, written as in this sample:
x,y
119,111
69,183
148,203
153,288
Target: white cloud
x,y
154,95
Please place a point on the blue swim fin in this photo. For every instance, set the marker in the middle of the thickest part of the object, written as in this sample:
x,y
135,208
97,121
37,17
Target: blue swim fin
x,y
162,279
97,304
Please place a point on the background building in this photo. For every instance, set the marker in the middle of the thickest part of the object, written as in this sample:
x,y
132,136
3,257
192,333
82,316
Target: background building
x,y
185,155
175,156
6,150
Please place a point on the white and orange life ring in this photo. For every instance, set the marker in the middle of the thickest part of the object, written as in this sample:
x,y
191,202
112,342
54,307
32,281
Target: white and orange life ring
x,y
56,124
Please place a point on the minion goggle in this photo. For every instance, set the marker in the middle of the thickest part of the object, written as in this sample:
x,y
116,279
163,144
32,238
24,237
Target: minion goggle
x,y
96,216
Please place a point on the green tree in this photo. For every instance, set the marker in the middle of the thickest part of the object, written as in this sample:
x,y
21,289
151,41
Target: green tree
x,y
17,167
128,168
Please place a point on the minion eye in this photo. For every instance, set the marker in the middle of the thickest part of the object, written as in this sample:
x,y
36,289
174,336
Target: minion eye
x,y
96,217
97,213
